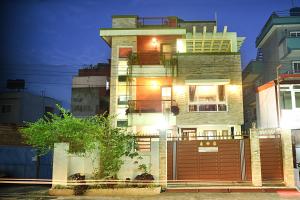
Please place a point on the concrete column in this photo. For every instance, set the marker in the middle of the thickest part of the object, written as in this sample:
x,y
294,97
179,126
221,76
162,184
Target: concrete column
x,y
163,158
255,158
60,164
287,157
154,168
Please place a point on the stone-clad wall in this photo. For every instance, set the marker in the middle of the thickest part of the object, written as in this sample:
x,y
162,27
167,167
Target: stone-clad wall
x,y
209,66
124,22
117,41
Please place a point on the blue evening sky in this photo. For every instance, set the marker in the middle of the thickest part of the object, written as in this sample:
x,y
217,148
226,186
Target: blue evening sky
x,y
45,42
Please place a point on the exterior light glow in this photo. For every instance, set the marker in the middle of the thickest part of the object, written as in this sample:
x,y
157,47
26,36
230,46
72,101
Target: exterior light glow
x,y
179,90
233,88
162,124
180,46
154,85
154,42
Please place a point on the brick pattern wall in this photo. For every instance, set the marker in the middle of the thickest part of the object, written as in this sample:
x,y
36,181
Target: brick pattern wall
x,y
197,66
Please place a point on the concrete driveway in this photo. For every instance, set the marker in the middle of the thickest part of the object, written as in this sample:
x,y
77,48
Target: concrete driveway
x,y
40,192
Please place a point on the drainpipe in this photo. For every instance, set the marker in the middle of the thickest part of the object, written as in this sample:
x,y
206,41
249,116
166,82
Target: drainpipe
x,y
278,95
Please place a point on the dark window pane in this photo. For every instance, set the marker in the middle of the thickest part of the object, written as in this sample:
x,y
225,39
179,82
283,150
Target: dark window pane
x,y
222,107
297,99
123,123
122,78
285,100
6,109
208,107
193,108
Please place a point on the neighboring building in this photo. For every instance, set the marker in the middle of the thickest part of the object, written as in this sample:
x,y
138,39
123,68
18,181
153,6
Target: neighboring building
x,y
90,91
18,159
182,76
251,80
20,107
276,76
279,42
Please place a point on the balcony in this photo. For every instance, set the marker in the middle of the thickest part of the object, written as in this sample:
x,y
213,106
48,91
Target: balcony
x,y
154,113
152,63
150,106
289,47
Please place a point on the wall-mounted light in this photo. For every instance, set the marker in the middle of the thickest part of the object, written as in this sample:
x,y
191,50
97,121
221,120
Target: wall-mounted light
x,y
180,46
154,42
154,84
233,88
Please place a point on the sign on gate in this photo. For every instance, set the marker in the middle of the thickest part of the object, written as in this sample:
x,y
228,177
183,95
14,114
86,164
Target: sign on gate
x,y
208,149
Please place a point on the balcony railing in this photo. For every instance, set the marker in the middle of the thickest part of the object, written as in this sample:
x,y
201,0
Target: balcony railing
x,y
157,21
152,58
150,106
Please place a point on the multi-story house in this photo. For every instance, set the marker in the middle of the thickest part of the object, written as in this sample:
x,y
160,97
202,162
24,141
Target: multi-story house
x,y
276,76
90,91
176,75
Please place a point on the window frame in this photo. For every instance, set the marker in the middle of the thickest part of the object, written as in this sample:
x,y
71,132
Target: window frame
x,y
125,57
292,90
217,103
293,66
294,32
4,111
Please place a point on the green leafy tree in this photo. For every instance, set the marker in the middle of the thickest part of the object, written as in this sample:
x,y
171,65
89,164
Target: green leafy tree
x,y
83,135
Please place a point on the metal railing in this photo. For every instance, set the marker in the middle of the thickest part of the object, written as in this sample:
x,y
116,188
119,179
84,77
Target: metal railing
x,y
150,106
156,21
143,143
152,58
237,136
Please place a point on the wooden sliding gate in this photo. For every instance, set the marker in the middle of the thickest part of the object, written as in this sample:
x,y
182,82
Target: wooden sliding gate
x,y
271,158
209,160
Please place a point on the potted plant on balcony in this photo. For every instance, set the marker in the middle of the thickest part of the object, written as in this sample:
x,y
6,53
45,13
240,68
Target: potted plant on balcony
x,y
175,109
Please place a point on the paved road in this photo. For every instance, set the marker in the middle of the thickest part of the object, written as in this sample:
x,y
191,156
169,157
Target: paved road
x,y
40,193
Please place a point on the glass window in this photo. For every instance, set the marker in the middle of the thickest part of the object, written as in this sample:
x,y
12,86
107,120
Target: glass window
x,y
285,100
207,98
297,87
297,99
123,100
295,34
6,108
122,123
188,133
296,67
124,52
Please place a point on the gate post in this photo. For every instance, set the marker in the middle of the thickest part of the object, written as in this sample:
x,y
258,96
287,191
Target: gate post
x,y
60,164
255,158
163,158
287,157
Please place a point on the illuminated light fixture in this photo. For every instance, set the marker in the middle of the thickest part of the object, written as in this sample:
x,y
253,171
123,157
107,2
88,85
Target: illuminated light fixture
x,y
233,88
178,89
206,88
162,124
180,46
154,42
154,84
